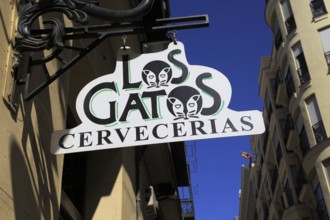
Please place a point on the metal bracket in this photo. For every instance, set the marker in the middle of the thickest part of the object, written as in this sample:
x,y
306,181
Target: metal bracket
x,y
55,39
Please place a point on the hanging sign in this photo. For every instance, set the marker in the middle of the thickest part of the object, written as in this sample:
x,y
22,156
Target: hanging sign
x,y
154,98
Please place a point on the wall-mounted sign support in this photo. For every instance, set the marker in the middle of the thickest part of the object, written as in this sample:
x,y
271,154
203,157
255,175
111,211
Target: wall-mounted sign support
x,y
32,43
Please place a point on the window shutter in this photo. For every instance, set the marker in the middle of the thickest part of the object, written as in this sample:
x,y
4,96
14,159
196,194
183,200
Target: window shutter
x,y
313,110
325,39
286,9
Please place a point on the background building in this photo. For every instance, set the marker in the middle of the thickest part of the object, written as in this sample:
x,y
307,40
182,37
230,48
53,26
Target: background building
x,y
131,183
246,194
291,175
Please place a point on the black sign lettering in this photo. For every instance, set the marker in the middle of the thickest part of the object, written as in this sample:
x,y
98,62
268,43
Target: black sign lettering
x,y
126,72
140,133
155,131
247,123
85,139
62,139
213,127
216,97
134,103
229,125
154,101
198,127
121,136
89,96
179,64
177,129
103,135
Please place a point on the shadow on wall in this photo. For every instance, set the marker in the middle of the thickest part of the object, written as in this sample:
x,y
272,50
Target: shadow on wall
x,y
3,27
35,174
25,203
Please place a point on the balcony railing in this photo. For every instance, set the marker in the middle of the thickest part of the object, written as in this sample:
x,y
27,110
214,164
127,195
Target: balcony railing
x,y
278,39
274,180
290,88
322,211
327,58
262,159
277,82
279,154
280,213
299,181
289,195
269,111
318,8
304,144
290,24
259,180
266,210
266,134
319,132
287,128
303,75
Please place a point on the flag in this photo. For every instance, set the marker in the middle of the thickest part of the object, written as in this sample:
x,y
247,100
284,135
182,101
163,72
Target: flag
x,y
245,155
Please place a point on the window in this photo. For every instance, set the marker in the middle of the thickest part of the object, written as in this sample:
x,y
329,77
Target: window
x,y
268,192
278,149
256,182
287,193
268,105
289,84
304,144
298,178
325,36
288,16
301,64
274,175
280,213
278,80
327,168
261,147
277,33
287,128
315,119
317,7
321,207
261,214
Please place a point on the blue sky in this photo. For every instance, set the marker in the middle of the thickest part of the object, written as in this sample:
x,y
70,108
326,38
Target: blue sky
x,y
233,44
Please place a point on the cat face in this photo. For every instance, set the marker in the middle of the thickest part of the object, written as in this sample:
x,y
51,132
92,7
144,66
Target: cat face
x,y
185,110
156,74
184,102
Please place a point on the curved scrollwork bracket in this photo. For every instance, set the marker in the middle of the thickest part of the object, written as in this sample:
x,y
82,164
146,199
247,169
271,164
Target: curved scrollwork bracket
x,y
76,11
54,36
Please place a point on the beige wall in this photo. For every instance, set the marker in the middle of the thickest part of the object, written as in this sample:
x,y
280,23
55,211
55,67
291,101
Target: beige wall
x,y
30,177
110,185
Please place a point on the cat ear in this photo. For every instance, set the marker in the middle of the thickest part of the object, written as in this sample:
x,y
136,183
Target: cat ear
x,y
146,72
171,100
196,97
167,69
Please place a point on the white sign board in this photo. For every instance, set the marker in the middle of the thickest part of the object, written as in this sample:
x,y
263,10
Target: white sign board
x,y
154,98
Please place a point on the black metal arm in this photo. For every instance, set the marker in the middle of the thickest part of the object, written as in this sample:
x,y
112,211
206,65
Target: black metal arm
x,y
119,15
56,35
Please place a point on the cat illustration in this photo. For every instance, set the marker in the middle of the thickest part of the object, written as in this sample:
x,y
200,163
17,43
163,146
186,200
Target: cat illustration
x,y
156,74
184,102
